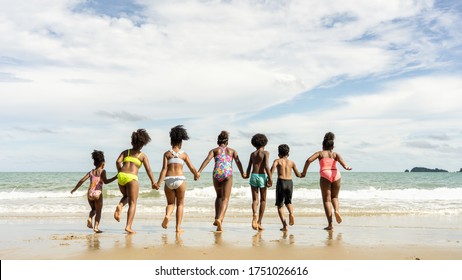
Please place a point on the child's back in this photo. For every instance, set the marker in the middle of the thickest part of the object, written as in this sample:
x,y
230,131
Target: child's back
x,y
284,167
258,159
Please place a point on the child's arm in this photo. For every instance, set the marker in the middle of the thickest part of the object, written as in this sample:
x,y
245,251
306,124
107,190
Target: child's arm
x,y
148,169
191,167
249,168
84,178
275,163
205,162
308,162
342,162
105,179
294,168
239,164
119,162
267,168
162,172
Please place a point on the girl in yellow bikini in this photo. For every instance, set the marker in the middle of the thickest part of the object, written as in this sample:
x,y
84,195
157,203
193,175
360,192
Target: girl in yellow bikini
x,y
128,164
330,177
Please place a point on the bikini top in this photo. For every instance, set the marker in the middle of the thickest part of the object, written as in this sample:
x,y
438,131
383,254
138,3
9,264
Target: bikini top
x,y
175,158
136,160
327,164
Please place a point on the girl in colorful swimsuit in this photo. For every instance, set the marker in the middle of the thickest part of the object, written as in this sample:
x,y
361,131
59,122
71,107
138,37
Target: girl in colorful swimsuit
x,y
94,194
222,175
172,174
330,177
128,164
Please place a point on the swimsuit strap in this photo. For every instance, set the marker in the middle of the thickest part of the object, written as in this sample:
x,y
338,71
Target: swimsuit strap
x,y
176,154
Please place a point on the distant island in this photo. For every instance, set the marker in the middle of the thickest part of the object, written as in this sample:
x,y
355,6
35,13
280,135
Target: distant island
x,y
424,169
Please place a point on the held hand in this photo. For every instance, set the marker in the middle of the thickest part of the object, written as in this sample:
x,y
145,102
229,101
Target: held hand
x,y
348,168
302,175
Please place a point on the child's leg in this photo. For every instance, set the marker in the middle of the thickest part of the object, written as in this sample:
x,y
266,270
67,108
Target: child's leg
x,y
171,197
254,207
290,208
123,201
99,208
334,198
262,207
91,214
180,206
132,193
326,199
226,187
218,190
281,217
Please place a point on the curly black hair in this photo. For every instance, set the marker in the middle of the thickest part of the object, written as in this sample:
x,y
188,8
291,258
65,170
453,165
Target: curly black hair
x,y
98,157
283,150
140,138
177,135
259,140
223,138
328,142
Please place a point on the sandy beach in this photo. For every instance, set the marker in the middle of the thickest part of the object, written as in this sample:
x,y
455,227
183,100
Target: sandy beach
x,y
358,238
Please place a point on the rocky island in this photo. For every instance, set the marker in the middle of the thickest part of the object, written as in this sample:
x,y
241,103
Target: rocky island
x,y
424,169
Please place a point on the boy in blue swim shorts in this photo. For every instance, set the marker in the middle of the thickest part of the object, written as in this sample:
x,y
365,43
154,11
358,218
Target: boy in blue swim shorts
x,y
259,179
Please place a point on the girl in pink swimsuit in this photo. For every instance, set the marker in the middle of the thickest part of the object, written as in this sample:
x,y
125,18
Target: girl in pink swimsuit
x,y
222,175
330,177
94,194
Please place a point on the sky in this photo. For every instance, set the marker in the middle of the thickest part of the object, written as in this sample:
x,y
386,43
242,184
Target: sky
x,y
384,76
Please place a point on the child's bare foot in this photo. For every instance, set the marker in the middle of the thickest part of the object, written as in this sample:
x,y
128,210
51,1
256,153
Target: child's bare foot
x,y
97,230
89,224
179,230
291,219
254,222
117,213
329,228
215,222
129,230
338,217
219,227
260,227
165,222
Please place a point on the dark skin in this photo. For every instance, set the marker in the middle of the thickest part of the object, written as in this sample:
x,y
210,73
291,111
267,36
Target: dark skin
x,y
175,196
259,164
285,166
329,190
131,189
96,205
223,188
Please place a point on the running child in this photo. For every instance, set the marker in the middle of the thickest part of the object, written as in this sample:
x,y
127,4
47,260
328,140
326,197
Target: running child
x,y
94,194
284,185
260,177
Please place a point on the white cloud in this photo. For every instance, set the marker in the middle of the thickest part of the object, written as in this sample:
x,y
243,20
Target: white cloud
x,y
213,63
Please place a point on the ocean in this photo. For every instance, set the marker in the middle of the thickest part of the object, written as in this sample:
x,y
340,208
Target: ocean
x,y
47,194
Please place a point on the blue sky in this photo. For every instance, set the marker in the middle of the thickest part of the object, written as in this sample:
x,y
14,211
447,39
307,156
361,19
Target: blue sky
x,y
384,76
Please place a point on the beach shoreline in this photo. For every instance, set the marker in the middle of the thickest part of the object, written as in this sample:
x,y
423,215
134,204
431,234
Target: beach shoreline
x,y
358,238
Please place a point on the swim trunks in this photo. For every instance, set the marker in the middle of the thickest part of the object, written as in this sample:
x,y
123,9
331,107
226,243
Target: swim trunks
x,y
174,182
329,169
258,180
125,178
284,189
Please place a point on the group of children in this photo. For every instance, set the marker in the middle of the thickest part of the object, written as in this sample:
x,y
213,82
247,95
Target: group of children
x,y
258,172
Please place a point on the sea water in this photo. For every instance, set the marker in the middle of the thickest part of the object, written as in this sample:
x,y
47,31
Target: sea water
x,y
48,194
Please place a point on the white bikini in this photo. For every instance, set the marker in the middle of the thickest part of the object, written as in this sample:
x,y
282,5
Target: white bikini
x,y
174,182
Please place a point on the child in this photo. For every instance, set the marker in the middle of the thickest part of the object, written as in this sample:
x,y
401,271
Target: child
x,y
330,177
94,195
284,185
222,175
259,179
128,164
172,173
